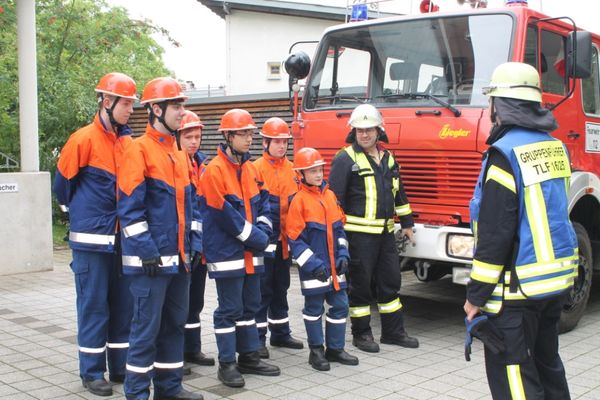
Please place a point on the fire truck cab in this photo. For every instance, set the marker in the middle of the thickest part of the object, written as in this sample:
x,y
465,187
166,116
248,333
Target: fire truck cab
x,y
425,74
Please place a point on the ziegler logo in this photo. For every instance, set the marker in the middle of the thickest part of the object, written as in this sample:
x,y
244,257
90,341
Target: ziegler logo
x,y
446,132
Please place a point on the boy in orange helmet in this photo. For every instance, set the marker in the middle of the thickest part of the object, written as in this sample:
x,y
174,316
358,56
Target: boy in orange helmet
x,y
155,207
85,186
237,216
316,234
190,137
282,182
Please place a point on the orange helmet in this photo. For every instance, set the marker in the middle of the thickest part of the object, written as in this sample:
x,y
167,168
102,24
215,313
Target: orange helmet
x,y
275,128
236,120
117,84
162,89
306,158
190,120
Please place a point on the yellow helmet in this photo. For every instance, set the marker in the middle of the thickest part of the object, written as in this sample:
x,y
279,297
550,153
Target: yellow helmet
x,y
365,116
515,80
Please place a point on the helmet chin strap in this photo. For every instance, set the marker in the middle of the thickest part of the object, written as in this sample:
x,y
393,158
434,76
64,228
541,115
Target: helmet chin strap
x,y
303,180
163,107
238,155
492,111
109,111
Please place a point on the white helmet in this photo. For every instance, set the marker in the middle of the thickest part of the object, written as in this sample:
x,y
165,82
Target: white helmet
x,y
515,80
365,116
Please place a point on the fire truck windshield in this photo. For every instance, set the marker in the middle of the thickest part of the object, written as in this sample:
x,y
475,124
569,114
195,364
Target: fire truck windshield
x,y
422,62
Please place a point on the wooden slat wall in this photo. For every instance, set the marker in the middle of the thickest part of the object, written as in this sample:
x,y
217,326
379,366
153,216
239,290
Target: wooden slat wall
x,y
211,112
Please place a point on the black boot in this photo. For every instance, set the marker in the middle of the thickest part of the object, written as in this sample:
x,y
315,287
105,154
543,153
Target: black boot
x,y
317,359
99,387
365,343
230,375
187,370
289,343
263,352
250,363
199,358
340,356
401,339
182,395
392,331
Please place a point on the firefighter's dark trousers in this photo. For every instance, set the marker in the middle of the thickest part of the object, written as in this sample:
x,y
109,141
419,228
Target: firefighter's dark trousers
x,y
104,309
193,342
531,367
374,258
273,312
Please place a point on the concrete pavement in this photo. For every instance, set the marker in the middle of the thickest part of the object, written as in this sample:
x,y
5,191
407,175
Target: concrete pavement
x,y
38,351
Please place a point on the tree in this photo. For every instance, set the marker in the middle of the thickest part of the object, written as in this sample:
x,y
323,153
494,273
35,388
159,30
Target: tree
x,y
78,41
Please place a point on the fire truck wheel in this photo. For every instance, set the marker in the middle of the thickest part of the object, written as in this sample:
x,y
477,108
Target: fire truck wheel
x,y
578,296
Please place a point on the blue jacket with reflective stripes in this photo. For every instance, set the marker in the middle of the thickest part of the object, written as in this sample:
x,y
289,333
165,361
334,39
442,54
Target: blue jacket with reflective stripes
x,y
317,239
155,203
85,185
235,217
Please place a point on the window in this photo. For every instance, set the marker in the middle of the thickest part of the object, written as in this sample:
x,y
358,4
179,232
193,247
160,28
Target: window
x,y
591,87
274,70
346,83
551,57
404,63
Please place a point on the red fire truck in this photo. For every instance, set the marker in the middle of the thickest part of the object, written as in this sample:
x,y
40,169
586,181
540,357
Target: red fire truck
x,y
425,73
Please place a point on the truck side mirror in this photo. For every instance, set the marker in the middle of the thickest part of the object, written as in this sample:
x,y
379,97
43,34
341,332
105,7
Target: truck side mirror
x,y
297,65
579,54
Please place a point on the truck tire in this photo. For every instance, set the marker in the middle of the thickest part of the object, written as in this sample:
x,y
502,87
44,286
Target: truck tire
x,y
578,296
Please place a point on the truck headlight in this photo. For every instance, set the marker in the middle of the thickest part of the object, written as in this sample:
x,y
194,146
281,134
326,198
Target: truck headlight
x,y
460,246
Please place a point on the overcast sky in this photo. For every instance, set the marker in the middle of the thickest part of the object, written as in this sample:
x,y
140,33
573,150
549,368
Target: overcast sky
x,y
201,57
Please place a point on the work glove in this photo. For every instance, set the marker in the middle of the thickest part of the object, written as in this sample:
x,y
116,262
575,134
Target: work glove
x,y
341,266
321,274
481,328
196,260
151,266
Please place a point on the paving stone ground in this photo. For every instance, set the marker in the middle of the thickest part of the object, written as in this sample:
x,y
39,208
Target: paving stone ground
x,y
38,351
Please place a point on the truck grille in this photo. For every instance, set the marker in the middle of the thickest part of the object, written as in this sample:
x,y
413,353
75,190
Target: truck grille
x,y
439,178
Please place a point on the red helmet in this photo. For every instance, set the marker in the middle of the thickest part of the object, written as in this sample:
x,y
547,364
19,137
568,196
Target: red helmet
x,y
190,120
162,89
306,158
117,84
236,120
275,128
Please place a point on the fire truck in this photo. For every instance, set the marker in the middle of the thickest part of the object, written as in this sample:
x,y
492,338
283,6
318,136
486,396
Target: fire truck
x,y
425,73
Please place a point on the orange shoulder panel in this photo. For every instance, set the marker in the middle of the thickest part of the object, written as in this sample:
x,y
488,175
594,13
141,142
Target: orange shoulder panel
x,y
296,221
213,185
133,169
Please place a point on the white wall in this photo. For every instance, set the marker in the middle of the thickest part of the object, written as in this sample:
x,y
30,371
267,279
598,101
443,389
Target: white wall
x,y
25,222
253,39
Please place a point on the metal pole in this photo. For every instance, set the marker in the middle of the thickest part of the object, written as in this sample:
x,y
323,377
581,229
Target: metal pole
x,y
28,109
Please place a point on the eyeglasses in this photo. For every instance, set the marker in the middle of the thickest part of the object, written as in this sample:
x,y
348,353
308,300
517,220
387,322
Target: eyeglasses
x,y
247,135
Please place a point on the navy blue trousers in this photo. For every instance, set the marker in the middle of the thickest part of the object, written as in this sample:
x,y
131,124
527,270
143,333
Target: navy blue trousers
x,y
156,340
234,318
273,311
335,326
104,309
193,341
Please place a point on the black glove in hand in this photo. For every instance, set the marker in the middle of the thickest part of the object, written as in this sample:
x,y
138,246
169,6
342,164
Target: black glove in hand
x,y
481,328
341,266
151,266
321,274
196,260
